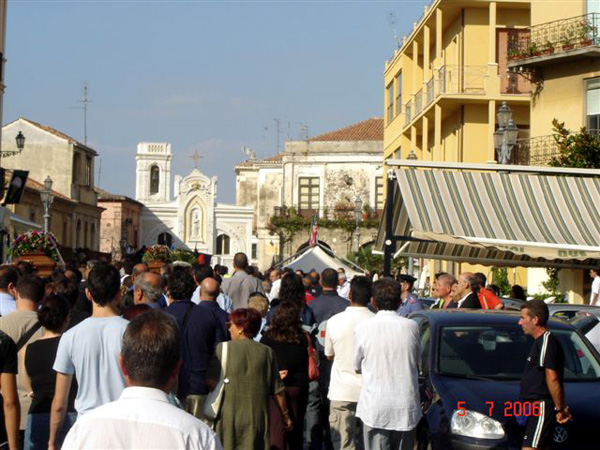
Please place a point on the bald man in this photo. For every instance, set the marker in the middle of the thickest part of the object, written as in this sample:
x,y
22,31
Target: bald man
x,y
209,291
148,289
136,271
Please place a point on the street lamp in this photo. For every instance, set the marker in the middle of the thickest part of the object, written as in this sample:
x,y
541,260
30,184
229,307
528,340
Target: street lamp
x,y
358,216
20,139
505,137
47,199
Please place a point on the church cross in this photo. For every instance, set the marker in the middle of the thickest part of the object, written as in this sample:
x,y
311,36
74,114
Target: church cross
x,y
196,157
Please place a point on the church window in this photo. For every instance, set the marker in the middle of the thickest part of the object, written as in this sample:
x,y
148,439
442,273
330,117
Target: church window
x,y
165,239
154,179
308,193
223,242
85,235
255,251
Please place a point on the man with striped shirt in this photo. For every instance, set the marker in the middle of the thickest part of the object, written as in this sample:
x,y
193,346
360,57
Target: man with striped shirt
x,y
542,381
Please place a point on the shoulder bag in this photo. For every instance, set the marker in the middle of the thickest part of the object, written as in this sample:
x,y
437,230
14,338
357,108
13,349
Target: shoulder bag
x,y
313,366
214,399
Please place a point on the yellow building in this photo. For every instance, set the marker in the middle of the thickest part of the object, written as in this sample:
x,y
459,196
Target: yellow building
x,y
559,53
445,83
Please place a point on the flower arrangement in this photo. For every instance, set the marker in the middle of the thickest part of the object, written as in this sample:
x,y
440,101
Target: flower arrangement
x,y
35,241
157,253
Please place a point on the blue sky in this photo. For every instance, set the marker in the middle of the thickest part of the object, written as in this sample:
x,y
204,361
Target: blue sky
x,y
200,75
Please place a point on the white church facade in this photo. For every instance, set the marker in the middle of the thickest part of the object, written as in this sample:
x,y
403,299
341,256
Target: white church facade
x,y
191,219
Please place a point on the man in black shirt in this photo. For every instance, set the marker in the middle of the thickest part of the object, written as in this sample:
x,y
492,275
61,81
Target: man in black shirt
x,y
8,387
542,377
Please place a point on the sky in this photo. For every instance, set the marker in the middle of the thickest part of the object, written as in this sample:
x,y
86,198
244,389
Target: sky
x,y
203,75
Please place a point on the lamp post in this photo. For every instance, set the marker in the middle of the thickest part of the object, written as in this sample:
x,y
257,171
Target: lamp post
x,y
358,216
20,140
505,137
47,199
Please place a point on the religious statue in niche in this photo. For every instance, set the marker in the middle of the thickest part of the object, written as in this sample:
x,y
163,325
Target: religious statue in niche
x,y
195,224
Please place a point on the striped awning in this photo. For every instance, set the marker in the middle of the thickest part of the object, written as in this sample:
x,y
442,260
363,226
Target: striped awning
x,y
497,218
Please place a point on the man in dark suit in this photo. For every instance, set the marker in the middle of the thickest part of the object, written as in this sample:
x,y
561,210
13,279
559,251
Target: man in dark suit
x,y
465,291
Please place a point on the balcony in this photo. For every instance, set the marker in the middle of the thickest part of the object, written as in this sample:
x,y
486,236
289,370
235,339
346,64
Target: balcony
x,y
407,113
418,102
536,151
461,80
558,41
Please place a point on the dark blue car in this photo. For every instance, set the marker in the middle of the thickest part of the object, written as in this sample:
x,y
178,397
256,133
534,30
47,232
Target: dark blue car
x,y
471,366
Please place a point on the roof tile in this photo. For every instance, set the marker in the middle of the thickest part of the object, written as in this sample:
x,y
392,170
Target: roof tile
x,y
367,130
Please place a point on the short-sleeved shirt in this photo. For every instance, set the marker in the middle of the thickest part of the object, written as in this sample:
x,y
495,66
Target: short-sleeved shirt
x,y
91,352
488,299
325,306
198,342
8,354
596,290
345,383
39,358
409,305
546,353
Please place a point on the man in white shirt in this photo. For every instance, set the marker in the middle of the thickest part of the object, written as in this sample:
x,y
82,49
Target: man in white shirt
x,y
387,355
142,417
275,278
595,296
90,351
345,383
343,288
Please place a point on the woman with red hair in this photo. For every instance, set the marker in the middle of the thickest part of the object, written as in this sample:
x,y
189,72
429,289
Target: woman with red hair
x,y
251,379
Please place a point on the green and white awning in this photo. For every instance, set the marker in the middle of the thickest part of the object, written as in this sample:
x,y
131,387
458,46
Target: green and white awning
x,y
497,218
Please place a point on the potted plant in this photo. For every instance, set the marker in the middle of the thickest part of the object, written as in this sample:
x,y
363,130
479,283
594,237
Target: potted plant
x,y
586,33
547,48
156,256
38,248
568,37
366,212
533,49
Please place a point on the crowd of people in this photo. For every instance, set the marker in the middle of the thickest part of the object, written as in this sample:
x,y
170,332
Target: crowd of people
x,y
117,356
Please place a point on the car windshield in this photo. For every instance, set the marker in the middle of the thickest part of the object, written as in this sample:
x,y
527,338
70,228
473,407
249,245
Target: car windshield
x,y
498,352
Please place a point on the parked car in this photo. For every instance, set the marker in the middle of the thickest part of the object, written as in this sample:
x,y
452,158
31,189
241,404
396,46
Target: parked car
x,y
512,304
588,324
567,311
471,367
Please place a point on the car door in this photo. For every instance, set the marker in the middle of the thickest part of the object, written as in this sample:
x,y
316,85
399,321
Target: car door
x,y
425,389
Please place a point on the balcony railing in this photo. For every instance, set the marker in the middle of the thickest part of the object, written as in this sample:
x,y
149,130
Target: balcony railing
x,y
430,86
407,113
461,79
536,151
557,37
418,102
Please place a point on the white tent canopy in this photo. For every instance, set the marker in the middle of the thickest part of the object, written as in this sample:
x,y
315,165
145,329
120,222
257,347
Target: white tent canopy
x,y
320,259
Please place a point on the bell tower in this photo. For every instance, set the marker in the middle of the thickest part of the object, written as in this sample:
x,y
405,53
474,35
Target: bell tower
x,y
153,172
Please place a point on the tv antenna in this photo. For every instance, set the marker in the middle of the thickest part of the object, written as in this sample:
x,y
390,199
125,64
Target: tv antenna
x,y
303,131
248,152
393,22
277,122
84,106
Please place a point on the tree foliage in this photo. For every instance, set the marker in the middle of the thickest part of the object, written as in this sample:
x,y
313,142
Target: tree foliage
x,y
576,149
371,262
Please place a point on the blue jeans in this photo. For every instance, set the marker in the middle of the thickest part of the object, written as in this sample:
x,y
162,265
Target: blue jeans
x,y
37,432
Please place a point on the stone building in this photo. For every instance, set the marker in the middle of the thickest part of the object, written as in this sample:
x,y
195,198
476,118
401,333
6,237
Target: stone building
x,y
323,175
120,224
75,214
191,219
